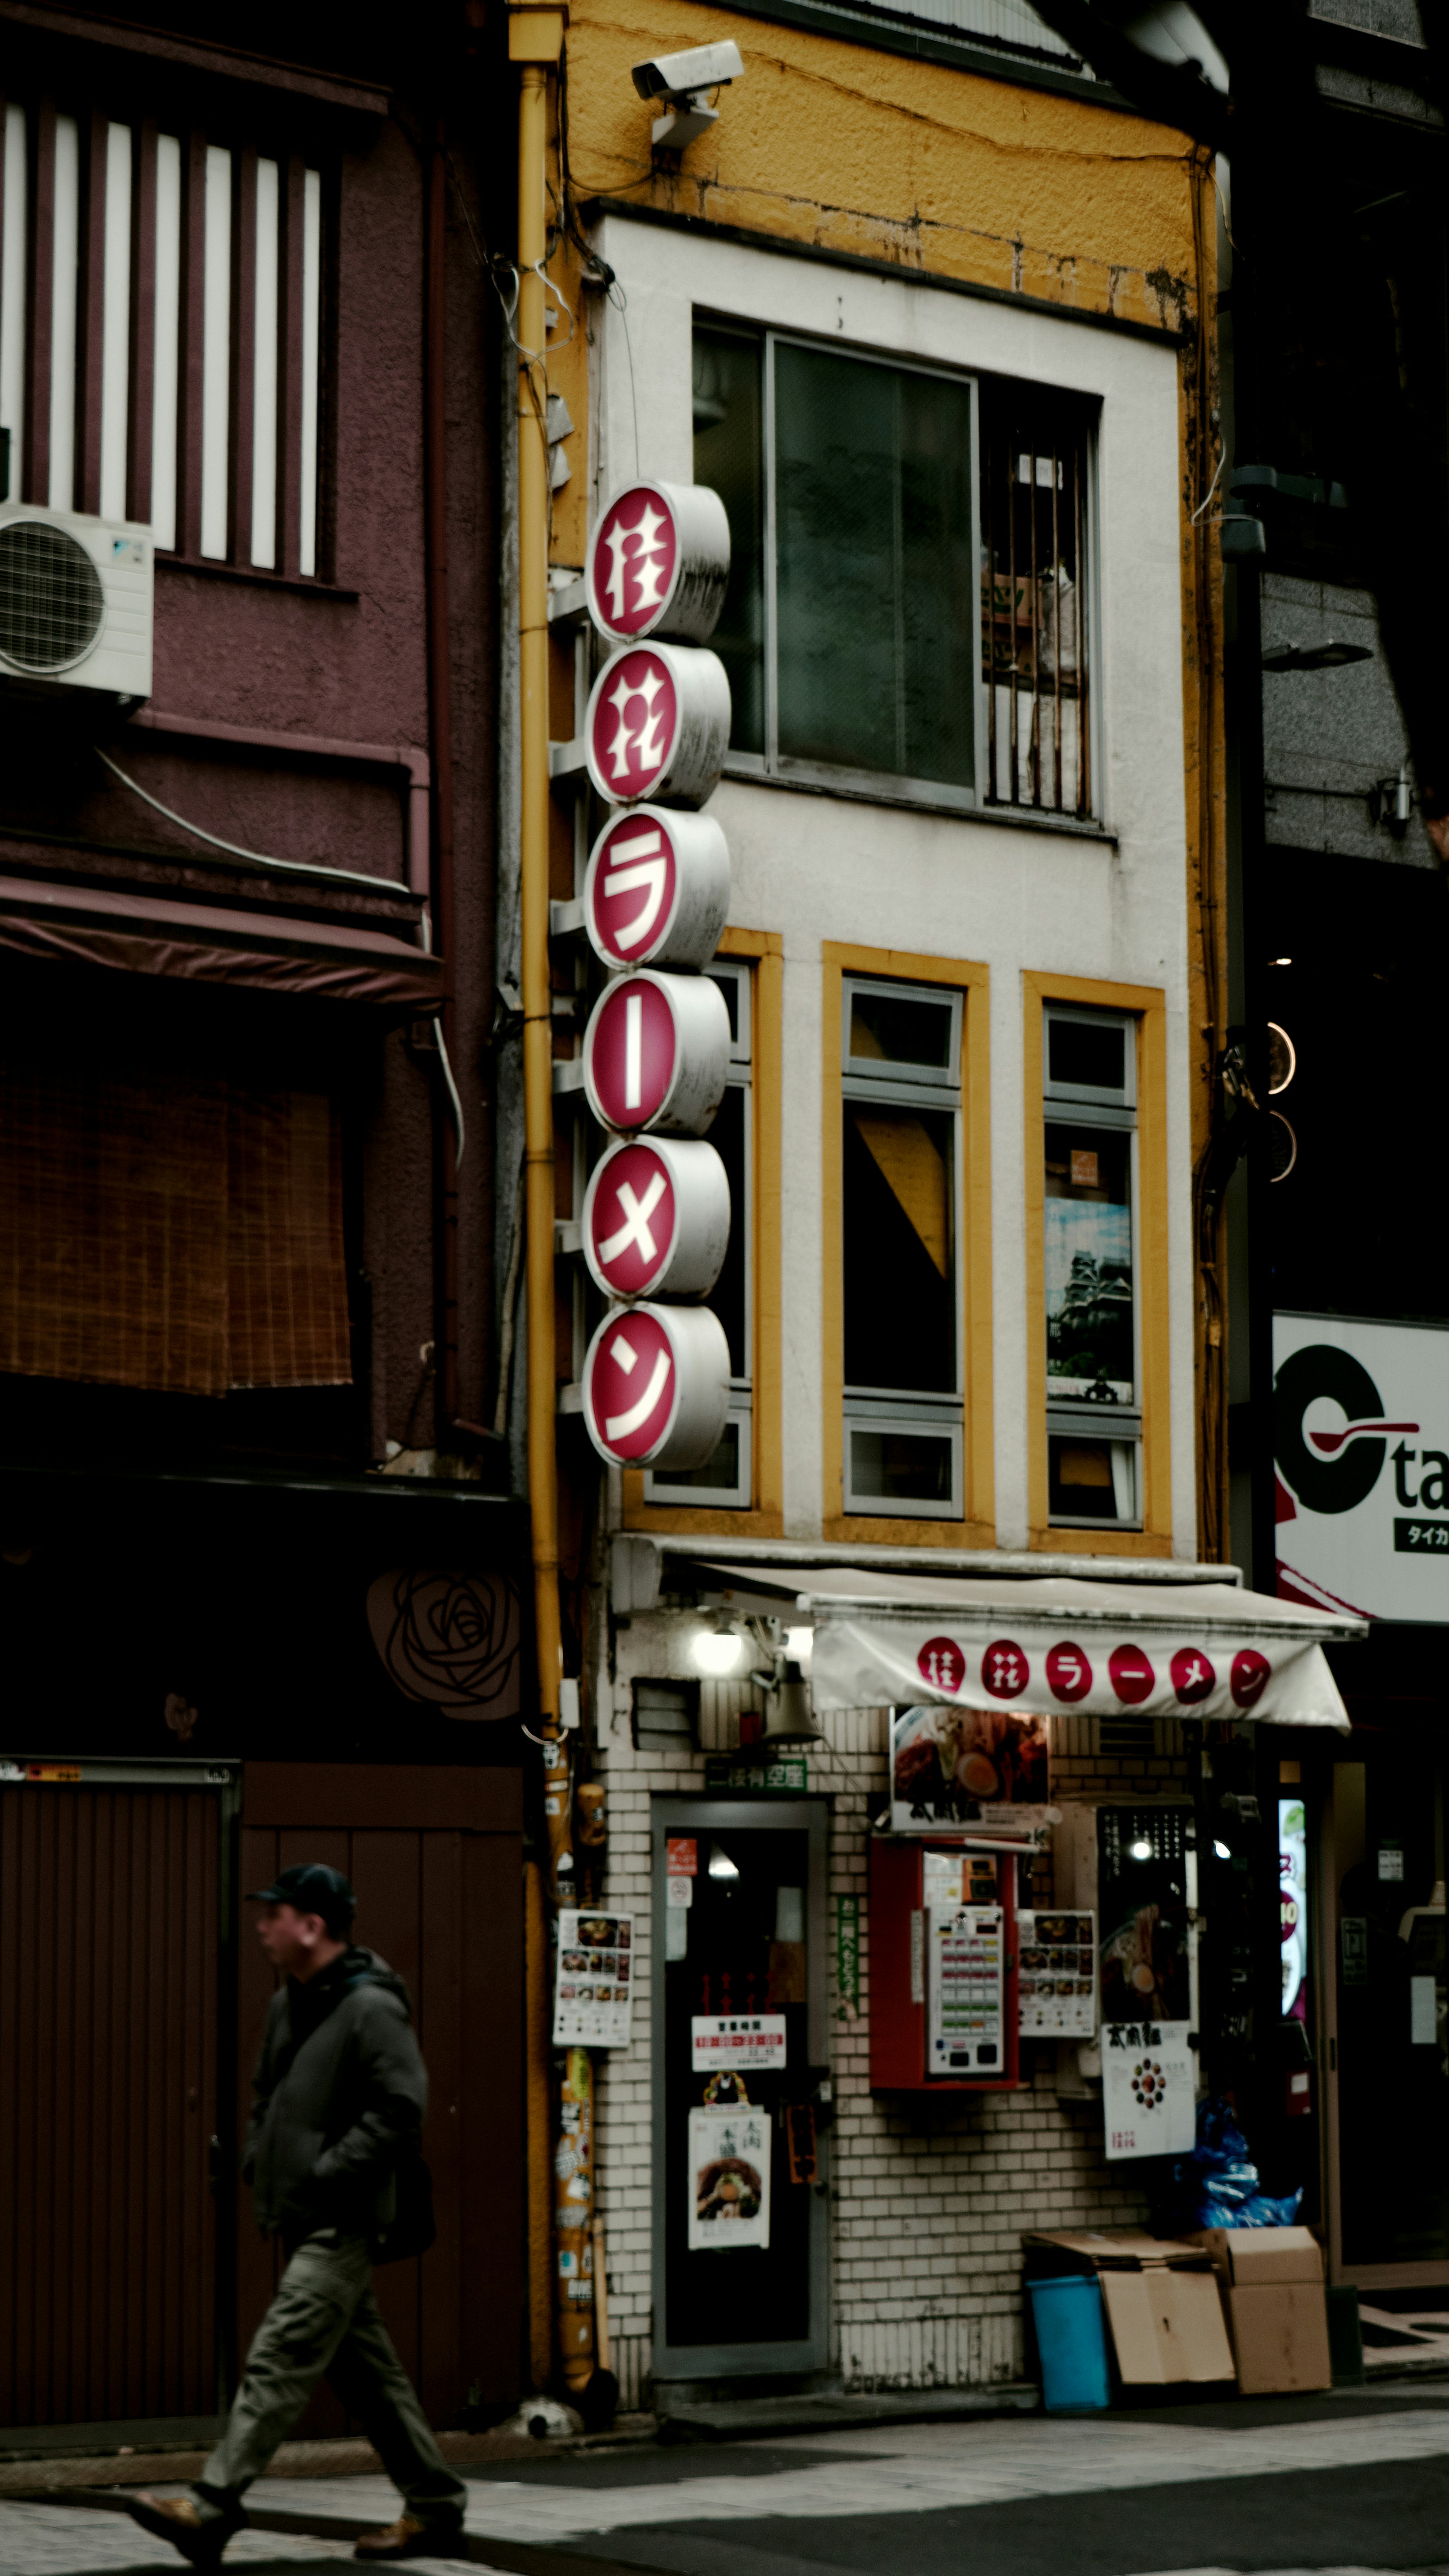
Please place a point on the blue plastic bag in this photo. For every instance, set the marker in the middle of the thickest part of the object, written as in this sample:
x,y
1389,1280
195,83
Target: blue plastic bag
x,y
1218,2185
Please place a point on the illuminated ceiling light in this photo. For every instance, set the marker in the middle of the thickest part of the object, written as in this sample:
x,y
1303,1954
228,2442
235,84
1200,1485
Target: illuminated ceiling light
x,y
1142,1850
718,1651
1222,1851
721,1865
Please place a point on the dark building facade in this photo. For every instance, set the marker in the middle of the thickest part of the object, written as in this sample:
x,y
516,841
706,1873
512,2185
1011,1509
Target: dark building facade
x,y
260,1567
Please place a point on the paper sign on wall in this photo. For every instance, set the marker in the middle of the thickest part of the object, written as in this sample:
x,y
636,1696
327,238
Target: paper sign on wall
x,y
737,2040
1057,1983
593,1980
1149,2078
729,2178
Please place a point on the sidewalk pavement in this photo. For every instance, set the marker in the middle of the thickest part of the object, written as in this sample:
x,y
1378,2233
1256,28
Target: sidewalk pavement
x,y
1358,2480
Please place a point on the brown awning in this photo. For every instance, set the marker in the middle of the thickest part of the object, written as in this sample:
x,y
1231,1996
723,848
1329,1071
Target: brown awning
x,y
146,932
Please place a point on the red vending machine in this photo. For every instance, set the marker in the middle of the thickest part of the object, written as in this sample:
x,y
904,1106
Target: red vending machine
x,y
943,1967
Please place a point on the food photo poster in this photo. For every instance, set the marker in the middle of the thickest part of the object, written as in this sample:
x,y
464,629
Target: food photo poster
x,y
593,1980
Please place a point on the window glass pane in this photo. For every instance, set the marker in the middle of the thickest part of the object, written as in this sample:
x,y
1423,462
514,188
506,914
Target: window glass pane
x,y
719,1474
874,579
729,986
1034,625
899,1248
894,1466
729,456
890,1028
1092,1480
1092,1052
1088,1260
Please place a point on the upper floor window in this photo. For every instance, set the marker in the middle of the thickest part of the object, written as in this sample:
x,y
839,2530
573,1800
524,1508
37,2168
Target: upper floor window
x,y
900,1250
907,599
1090,1267
161,333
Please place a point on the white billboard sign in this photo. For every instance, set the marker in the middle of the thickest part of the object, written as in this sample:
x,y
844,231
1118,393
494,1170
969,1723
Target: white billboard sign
x,y
1361,1440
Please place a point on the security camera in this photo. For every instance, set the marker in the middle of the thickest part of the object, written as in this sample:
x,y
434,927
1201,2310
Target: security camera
x,y
682,80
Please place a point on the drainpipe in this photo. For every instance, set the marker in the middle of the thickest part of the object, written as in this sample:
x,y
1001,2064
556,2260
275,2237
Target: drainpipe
x,y
440,701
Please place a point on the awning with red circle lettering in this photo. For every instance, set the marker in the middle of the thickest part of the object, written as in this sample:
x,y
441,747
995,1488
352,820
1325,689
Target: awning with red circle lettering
x,y
1058,1643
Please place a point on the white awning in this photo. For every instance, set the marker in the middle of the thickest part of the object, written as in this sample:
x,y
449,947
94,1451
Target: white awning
x,y
1057,1642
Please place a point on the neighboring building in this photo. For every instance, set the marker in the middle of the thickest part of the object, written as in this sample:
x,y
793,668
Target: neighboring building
x,y
931,309
258,1556
1339,953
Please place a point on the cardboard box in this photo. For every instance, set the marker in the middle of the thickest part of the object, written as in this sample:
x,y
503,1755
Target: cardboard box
x,y
1161,2301
1272,2285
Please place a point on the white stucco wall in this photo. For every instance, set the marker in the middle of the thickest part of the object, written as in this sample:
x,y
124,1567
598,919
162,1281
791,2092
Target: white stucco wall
x,y
815,867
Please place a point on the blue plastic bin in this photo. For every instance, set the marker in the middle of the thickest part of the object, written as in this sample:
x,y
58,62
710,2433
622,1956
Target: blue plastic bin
x,y
1072,2341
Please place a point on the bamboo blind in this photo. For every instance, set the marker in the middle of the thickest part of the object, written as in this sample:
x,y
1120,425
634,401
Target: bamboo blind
x,y
175,1231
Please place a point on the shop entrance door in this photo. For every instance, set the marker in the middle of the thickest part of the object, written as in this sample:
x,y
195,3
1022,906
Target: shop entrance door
x,y
741,2229
1386,2014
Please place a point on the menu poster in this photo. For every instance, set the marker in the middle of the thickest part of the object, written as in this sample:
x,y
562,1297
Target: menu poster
x,y
593,1980
1149,2082
1057,1975
729,2178
959,1768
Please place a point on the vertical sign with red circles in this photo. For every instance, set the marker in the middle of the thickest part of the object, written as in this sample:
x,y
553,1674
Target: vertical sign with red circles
x,y
656,1217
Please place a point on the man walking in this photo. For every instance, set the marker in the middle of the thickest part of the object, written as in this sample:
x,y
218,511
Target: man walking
x,y
338,2100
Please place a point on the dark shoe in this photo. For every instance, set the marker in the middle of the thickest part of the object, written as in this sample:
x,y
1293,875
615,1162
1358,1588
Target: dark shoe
x,y
409,2538
200,2537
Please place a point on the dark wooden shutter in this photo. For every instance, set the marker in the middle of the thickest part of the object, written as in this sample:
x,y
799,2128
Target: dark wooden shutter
x,y
108,2042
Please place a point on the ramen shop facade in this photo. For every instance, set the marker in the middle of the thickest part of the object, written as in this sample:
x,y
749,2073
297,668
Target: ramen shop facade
x,y
969,637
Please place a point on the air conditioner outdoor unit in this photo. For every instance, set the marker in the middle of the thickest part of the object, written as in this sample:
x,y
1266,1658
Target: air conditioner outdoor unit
x,y
75,602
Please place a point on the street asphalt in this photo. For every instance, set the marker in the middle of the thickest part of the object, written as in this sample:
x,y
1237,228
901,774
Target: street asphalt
x,y
1348,2485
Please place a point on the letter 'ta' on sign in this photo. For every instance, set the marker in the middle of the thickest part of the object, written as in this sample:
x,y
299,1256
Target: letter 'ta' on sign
x,y
657,892
657,1219
655,1053
656,1386
658,725
659,563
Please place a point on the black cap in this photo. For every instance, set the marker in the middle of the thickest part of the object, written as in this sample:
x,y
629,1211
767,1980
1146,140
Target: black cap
x,y
310,1887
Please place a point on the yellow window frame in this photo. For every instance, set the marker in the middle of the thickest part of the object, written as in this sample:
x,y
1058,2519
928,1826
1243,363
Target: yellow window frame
x,y
1147,1005
765,952
976,1528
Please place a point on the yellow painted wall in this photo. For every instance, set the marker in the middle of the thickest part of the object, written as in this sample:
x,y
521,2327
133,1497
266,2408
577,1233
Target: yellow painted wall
x,y
879,155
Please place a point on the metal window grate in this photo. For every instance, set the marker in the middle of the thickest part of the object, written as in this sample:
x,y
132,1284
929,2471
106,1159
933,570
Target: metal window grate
x,y
51,601
1034,621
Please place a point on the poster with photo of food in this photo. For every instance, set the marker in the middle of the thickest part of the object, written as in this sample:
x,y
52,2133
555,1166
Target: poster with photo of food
x,y
1056,1957
955,1767
1147,1965
729,2178
593,1980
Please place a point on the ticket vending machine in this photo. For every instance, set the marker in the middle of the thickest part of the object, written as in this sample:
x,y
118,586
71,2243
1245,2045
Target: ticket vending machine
x,y
943,2012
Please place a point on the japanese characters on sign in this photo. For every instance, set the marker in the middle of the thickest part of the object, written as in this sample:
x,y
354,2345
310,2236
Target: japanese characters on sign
x,y
656,1049
657,890
729,2178
736,2040
593,1980
658,563
656,1385
1148,2087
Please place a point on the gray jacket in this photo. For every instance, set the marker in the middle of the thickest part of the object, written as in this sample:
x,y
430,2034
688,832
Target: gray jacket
x,y
338,2099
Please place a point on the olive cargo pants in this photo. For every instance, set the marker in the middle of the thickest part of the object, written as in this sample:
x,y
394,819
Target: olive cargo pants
x,y
324,2322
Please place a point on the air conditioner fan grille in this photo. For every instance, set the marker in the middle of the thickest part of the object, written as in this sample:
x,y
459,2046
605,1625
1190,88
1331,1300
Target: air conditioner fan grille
x,y
51,601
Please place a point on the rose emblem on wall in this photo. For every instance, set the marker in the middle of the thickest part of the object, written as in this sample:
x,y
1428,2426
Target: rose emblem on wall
x,y
452,1639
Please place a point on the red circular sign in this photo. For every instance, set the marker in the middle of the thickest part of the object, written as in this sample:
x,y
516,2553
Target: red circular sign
x,y
1193,1677
631,1048
942,1664
1249,1676
1132,1676
1004,1670
631,1220
629,1387
1068,1672
631,569
632,725
632,887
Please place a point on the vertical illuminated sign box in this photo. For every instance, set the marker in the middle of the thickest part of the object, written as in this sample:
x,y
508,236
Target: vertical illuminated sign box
x,y
657,1214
